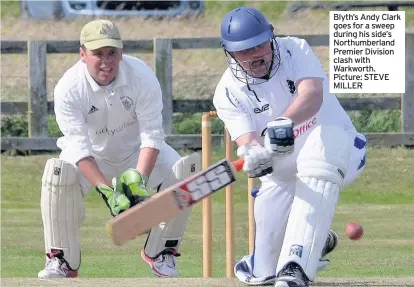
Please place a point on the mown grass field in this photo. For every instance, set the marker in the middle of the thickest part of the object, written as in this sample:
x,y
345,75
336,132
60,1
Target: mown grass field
x,y
381,200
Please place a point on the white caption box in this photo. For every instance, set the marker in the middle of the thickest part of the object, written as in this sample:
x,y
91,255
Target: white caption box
x,y
367,51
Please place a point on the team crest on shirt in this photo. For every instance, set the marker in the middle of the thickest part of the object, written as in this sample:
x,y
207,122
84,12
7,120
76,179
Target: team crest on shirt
x,y
127,102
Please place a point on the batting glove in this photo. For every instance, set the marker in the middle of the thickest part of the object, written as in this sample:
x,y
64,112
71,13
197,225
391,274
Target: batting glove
x,y
257,160
279,138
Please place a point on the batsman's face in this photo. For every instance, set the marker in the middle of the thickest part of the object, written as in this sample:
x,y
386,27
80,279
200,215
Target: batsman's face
x,y
255,61
102,63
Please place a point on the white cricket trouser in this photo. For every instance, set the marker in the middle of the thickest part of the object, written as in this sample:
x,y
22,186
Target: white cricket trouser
x,y
271,211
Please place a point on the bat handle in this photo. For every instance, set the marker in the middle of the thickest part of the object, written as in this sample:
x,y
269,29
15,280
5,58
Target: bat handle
x,y
238,164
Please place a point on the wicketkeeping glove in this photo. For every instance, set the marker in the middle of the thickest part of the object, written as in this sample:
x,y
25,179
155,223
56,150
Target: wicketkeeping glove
x,y
133,185
128,189
114,198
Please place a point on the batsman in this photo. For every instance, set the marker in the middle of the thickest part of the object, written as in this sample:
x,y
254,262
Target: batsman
x,y
295,137
108,107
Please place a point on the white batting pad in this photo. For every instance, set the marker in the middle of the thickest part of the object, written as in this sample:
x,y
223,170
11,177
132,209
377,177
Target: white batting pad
x,y
310,218
169,235
62,209
322,165
326,154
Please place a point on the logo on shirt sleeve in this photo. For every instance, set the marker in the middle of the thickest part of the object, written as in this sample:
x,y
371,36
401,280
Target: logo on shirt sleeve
x,y
261,109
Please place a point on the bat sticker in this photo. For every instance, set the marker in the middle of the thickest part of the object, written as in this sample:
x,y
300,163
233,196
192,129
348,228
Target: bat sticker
x,y
212,180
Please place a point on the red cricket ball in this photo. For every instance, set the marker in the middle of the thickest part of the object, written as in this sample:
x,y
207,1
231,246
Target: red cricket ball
x,y
354,231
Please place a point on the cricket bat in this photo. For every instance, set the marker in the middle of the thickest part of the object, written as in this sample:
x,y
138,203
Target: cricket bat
x,y
167,204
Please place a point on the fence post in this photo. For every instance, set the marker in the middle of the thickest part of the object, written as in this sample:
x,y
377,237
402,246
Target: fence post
x,y
407,100
37,102
163,70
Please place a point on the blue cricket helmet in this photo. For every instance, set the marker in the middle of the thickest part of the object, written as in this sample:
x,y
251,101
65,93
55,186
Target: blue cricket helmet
x,y
244,28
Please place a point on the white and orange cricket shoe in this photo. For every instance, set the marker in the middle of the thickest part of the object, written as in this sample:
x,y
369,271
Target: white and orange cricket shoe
x,y
57,267
164,265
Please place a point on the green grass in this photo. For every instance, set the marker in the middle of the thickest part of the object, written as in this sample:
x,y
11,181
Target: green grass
x,y
10,9
381,200
215,10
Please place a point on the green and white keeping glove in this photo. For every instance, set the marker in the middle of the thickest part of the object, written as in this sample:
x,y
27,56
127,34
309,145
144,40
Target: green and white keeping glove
x,y
128,189
133,185
114,198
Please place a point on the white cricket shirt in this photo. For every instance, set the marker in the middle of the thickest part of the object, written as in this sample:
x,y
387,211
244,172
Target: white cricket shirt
x,y
108,124
248,108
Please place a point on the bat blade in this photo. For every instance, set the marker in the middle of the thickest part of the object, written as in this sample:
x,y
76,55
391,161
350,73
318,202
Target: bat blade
x,y
167,204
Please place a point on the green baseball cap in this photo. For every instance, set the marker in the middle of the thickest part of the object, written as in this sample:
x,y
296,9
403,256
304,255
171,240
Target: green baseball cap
x,y
100,33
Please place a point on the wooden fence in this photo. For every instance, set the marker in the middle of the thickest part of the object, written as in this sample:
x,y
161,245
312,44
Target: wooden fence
x,y
38,108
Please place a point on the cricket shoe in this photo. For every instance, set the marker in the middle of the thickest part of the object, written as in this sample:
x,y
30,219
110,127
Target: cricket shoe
x,y
331,243
57,267
164,265
292,276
